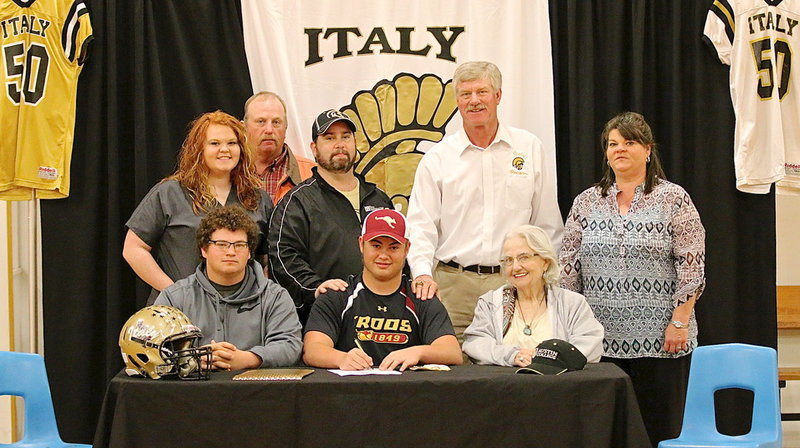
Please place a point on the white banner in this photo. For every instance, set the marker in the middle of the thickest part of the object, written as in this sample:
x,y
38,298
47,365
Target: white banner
x,y
389,65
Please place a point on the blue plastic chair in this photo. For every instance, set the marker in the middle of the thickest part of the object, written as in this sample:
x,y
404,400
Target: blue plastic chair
x,y
716,367
24,375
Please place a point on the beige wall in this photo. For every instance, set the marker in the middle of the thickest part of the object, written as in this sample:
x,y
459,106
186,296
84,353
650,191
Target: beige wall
x,y
788,273
17,220
788,244
5,313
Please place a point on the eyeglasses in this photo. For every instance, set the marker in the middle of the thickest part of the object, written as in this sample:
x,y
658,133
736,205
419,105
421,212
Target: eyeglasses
x,y
522,258
238,246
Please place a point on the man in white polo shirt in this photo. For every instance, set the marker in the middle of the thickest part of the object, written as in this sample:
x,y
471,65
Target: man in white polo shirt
x,y
469,190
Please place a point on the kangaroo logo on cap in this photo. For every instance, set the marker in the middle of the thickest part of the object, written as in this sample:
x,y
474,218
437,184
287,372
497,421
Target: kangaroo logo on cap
x,y
388,219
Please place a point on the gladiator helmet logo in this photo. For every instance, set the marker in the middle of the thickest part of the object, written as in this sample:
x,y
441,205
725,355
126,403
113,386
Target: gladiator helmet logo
x,y
518,163
394,117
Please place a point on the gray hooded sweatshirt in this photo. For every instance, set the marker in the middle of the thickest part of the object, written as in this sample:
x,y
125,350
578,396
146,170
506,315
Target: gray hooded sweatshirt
x,y
259,317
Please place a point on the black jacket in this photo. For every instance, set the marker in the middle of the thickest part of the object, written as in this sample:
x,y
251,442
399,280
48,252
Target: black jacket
x,y
313,237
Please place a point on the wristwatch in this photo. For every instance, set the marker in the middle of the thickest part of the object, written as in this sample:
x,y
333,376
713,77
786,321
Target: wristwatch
x,y
678,324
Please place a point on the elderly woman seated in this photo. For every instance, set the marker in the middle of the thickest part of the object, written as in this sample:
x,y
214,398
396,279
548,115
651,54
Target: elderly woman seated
x,y
511,321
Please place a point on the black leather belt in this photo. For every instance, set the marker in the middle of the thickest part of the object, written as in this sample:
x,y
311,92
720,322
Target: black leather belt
x,y
476,268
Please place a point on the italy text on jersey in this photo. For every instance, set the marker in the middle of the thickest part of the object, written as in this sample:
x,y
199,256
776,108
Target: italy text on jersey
x,y
44,45
758,39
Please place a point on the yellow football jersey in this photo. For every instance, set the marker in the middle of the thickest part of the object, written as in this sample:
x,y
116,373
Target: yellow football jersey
x,y
44,44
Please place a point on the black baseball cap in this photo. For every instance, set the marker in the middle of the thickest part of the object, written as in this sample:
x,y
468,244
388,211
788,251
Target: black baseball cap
x,y
554,357
326,119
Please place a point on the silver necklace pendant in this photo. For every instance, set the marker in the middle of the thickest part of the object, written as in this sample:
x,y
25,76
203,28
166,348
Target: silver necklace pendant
x,y
527,330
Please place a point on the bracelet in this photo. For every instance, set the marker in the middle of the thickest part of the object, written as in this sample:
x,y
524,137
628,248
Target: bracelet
x,y
678,324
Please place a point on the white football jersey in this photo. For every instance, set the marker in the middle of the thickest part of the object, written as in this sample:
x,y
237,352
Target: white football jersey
x,y
758,39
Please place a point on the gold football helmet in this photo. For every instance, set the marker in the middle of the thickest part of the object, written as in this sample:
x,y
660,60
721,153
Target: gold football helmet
x,y
160,340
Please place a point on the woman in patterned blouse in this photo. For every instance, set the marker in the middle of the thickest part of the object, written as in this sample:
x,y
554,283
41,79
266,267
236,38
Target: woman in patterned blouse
x,y
634,245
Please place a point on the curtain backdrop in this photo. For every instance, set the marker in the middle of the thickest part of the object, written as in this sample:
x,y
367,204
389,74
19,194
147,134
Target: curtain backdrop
x,y
156,64
612,56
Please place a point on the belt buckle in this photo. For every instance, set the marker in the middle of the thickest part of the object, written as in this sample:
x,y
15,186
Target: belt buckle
x,y
485,269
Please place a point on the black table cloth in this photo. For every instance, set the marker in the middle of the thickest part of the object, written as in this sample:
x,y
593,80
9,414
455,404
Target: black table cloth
x,y
469,406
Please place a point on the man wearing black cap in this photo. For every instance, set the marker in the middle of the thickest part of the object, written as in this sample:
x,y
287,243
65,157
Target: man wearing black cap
x,y
377,321
314,229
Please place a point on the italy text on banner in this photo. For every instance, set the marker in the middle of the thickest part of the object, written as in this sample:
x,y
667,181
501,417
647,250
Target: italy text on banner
x,y
389,65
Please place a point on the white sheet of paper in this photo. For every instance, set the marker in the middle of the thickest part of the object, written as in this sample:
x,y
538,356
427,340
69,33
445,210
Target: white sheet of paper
x,y
372,371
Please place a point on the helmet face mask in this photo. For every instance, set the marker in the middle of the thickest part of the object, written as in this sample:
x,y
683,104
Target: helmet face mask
x,y
186,359
161,341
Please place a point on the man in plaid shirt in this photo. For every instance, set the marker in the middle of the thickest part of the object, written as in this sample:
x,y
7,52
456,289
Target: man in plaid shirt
x,y
276,165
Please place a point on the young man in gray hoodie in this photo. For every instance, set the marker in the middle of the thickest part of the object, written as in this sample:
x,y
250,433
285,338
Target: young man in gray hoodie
x,y
248,320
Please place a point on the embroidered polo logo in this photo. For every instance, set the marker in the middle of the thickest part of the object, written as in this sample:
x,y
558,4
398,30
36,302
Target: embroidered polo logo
x,y
518,163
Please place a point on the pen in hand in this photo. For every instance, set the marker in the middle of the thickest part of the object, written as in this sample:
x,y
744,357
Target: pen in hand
x,y
358,344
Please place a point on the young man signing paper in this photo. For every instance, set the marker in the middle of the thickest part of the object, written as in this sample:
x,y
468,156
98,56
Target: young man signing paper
x,y
377,321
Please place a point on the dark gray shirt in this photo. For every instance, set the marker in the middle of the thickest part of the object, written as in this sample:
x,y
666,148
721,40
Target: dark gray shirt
x,y
165,221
